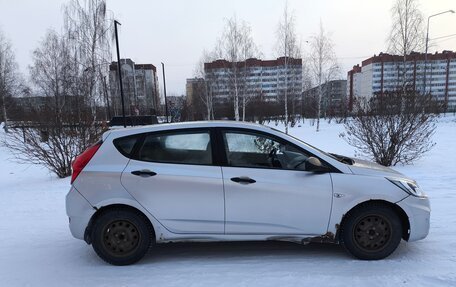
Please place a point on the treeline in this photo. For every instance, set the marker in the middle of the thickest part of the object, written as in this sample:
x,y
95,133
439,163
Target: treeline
x,y
260,109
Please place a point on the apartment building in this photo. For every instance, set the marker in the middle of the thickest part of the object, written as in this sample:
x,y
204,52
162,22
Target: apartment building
x,y
254,77
333,99
140,86
384,73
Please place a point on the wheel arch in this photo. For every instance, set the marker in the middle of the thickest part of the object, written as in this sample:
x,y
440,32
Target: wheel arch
x,y
103,209
378,202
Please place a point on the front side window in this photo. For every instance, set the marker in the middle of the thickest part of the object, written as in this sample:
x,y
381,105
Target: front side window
x,y
249,149
178,147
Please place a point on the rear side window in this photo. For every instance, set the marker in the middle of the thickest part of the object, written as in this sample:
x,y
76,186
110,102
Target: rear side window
x,y
182,147
125,144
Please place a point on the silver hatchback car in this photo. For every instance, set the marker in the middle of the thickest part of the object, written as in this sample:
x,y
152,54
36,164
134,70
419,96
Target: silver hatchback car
x,y
220,180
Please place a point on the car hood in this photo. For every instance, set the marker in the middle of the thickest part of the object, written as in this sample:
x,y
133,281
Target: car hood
x,y
364,167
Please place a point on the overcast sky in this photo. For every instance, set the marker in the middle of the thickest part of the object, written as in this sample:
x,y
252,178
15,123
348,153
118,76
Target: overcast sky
x,y
176,32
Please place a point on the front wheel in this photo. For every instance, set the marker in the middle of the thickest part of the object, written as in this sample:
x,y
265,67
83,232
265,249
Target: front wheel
x,y
371,232
121,237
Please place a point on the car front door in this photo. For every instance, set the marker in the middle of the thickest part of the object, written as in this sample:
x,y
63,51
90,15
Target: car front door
x,y
173,177
267,190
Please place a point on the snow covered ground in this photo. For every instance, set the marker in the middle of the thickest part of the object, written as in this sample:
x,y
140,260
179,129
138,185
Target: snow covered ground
x,y
37,249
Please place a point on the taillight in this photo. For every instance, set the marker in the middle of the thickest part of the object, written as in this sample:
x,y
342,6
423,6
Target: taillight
x,y
83,159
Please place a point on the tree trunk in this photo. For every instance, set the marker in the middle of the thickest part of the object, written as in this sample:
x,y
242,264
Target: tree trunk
x,y
286,95
319,107
3,92
5,117
243,108
236,99
320,74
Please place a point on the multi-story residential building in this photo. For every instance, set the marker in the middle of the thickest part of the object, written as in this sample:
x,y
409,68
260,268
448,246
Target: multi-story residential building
x,y
353,85
195,92
195,89
333,99
254,77
140,86
385,73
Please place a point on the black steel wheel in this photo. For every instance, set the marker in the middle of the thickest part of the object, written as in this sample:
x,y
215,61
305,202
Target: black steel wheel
x,y
121,236
371,232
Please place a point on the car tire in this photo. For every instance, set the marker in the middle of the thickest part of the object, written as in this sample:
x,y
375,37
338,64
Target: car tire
x,y
121,236
371,232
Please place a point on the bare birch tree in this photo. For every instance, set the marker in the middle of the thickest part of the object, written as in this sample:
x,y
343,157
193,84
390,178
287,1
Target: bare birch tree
x,y
205,90
236,45
9,76
67,71
52,71
89,32
250,89
307,84
63,126
407,35
288,47
323,63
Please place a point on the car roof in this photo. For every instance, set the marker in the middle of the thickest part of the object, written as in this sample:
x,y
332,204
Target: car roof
x,y
117,132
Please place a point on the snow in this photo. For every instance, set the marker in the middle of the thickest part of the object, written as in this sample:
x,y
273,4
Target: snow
x,y
37,249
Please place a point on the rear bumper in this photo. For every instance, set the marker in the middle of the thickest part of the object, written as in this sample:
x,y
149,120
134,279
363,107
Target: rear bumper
x,y
79,212
419,212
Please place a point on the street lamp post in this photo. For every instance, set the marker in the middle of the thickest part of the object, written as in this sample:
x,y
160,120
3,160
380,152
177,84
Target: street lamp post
x,y
119,70
164,89
427,42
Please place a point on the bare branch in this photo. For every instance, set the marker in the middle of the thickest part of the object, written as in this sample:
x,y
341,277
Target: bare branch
x,y
323,64
236,45
10,80
393,128
288,47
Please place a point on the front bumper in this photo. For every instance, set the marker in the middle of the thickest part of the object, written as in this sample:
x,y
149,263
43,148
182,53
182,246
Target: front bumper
x,y
79,212
418,210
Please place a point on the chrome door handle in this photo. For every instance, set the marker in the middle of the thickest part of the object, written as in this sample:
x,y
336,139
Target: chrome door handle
x,y
243,180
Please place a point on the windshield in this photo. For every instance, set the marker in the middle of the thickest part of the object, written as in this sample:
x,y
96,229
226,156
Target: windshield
x,y
340,158
319,150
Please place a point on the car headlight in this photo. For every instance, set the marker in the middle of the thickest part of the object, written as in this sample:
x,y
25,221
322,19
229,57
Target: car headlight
x,y
408,186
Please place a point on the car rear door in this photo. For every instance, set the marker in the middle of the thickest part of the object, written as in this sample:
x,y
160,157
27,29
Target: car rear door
x,y
265,193
172,175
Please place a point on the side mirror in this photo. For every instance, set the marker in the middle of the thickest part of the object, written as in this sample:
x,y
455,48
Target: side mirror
x,y
314,164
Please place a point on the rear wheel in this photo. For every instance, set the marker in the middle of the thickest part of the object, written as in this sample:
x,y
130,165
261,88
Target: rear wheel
x,y
121,237
371,232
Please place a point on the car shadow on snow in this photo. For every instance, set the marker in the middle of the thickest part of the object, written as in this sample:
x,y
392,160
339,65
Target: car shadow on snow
x,y
256,252
242,251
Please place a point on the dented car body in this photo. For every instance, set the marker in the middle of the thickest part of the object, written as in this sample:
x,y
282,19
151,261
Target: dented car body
x,y
220,180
